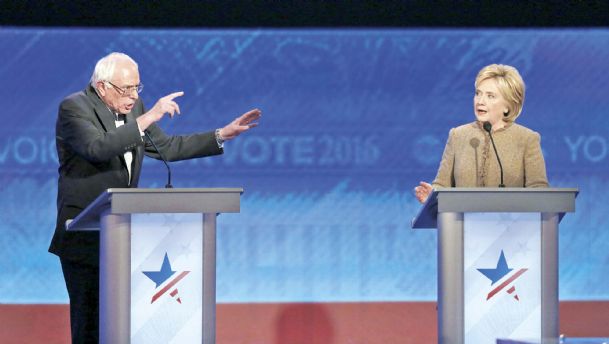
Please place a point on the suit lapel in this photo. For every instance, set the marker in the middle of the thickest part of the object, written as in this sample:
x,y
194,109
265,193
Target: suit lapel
x,y
138,153
138,157
104,115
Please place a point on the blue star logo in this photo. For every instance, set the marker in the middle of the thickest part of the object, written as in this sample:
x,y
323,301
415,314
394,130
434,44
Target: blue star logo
x,y
162,275
497,273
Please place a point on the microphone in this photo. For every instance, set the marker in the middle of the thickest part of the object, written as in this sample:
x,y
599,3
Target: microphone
x,y
474,143
487,127
168,186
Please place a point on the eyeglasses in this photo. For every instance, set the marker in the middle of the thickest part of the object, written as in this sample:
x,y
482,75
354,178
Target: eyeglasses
x,y
127,90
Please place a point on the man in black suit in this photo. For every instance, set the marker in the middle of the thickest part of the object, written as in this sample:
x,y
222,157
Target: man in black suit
x,y
100,145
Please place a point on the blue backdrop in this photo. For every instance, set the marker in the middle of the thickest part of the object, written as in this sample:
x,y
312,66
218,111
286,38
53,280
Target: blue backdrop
x,y
353,120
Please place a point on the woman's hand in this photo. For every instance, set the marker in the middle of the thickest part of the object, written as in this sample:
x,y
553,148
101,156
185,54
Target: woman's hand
x,y
422,191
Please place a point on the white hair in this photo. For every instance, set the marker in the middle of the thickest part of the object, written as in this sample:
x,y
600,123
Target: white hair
x,y
104,69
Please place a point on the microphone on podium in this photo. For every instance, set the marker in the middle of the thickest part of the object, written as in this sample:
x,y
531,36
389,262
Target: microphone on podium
x,y
487,126
168,185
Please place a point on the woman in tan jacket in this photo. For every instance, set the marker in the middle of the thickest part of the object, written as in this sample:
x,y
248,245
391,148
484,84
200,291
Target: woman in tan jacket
x,y
469,159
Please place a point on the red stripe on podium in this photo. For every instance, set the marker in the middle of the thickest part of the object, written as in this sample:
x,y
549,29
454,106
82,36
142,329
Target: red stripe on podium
x,y
504,284
168,286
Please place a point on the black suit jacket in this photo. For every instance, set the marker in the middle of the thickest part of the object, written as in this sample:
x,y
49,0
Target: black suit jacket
x,y
91,152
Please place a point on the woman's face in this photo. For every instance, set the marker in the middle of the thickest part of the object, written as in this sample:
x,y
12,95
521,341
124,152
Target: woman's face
x,y
489,104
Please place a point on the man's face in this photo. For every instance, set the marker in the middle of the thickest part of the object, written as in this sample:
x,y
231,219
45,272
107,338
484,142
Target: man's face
x,y
119,93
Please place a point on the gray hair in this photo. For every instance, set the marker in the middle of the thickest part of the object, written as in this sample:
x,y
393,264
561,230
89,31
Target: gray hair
x,y
104,69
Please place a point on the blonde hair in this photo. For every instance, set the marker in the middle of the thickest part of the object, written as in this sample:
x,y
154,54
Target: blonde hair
x,y
510,84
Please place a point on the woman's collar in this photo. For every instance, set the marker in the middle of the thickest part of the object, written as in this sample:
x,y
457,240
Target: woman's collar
x,y
506,125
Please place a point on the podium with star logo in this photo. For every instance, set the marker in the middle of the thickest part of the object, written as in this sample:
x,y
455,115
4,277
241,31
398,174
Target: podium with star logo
x,y
157,262
497,262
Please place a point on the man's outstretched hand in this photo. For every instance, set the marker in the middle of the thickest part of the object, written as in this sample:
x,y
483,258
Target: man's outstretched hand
x,y
240,124
164,105
167,105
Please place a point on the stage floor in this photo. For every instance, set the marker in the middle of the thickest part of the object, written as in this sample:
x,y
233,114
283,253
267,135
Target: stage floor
x,y
306,323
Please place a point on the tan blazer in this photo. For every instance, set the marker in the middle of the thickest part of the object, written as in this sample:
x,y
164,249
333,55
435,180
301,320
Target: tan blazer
x,y
469,159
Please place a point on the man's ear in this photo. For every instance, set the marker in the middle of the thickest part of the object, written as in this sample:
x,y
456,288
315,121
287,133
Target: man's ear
x,y
101,88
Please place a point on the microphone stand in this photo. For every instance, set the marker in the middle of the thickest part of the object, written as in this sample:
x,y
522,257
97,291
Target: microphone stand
x,y
487,126
168,185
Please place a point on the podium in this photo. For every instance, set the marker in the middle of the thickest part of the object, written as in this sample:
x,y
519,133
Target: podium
x,y
157,262
497,262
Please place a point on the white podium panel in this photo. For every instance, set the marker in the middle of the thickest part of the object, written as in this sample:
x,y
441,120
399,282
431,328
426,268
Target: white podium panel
x,y
166,278
502,277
